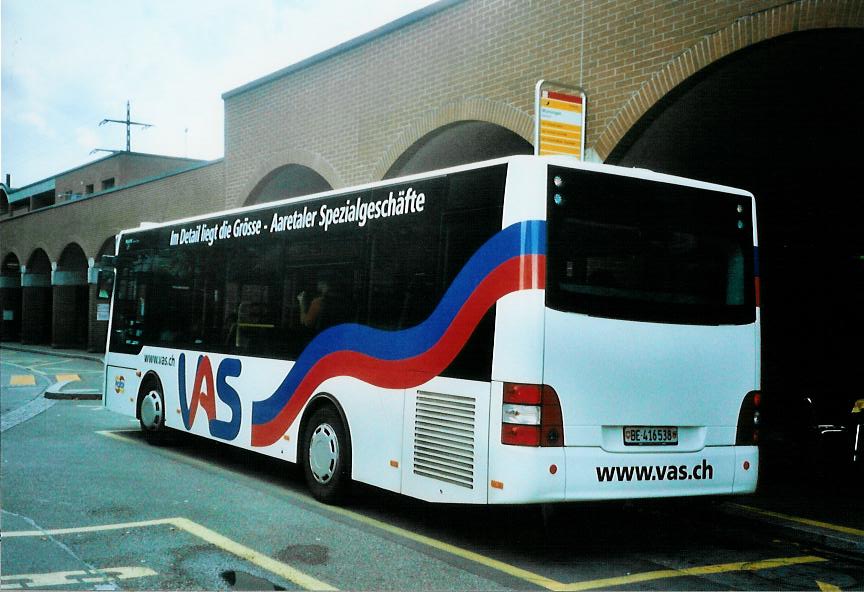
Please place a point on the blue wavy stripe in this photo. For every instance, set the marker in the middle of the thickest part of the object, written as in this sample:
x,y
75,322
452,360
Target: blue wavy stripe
x,y
522,238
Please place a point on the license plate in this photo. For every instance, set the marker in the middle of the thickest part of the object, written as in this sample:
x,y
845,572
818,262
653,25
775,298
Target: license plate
x,y
650,435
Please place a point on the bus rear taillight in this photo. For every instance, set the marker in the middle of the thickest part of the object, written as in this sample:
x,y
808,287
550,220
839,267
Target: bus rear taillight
x,y
749,420
531,416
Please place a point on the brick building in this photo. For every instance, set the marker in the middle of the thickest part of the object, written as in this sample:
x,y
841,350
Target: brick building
x,y
454,82
49,295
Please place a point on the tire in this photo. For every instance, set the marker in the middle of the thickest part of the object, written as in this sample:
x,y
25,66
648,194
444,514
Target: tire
x,y
151,415
326,456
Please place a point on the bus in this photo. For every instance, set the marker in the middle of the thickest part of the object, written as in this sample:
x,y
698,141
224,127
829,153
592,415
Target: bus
x,y
521,330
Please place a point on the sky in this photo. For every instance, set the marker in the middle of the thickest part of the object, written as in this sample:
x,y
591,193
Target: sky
x,y
67,65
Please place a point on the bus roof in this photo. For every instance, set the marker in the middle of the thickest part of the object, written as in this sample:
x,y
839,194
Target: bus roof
x,y
563,161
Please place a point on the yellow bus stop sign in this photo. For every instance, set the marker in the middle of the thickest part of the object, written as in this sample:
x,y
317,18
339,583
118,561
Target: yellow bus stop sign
x,y
560,125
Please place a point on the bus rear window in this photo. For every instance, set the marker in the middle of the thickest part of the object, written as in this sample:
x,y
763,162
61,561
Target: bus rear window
x,y
632,249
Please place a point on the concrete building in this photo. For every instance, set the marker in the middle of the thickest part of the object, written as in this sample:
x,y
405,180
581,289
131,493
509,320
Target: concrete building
x,y
750,93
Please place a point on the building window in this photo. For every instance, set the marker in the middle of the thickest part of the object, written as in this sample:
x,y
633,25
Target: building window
x,y
88,189
107,183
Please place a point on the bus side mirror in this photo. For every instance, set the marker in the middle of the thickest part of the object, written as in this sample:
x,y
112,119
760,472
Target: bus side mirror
x,y
105,283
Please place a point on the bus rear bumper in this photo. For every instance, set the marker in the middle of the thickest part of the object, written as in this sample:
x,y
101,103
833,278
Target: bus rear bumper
x,y
589,473
716,470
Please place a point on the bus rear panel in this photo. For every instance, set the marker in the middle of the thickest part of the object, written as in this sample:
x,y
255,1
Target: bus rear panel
x,y
650,345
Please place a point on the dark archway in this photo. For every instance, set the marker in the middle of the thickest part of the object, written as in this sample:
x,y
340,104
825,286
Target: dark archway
x,y
783,119
291,180
10,298
458,143
36,300
71,299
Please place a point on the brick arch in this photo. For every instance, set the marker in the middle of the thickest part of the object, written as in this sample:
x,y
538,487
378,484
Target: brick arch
x,y
286,157
94,247
57,249
70,255
106,247
39,246
5,257
33,254
802,15
467,109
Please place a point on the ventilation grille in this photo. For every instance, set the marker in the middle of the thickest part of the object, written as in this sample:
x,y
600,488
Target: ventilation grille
x,y
444,438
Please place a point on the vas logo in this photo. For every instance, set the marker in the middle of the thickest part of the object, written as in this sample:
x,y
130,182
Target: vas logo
x,y
204,393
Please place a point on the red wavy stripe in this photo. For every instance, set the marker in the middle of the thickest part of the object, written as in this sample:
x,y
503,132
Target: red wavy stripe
x,y
518,273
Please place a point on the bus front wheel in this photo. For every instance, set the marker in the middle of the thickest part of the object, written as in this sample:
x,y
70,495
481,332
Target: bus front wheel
x,y
326,456
151,415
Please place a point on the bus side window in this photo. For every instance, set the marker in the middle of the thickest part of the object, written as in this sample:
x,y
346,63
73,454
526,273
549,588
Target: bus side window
x,y
252,296
464,233
402,290
305,263
473,216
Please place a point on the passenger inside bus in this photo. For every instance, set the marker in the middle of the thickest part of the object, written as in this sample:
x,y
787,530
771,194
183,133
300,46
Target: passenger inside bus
x,y
312,315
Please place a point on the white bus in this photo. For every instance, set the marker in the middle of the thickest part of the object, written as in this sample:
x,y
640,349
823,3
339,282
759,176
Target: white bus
x,y
521,330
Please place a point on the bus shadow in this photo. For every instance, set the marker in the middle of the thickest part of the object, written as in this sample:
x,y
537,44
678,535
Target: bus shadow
x,y
523,534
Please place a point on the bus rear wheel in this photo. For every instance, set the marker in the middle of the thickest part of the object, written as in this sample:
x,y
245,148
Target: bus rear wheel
x,y
326,456
151,415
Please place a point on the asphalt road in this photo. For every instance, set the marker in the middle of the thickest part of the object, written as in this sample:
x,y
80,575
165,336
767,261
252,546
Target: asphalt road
x,y
87,504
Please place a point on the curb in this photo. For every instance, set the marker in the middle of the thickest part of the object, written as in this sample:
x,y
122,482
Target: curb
x,y
55,391
840,538
74,396
56,352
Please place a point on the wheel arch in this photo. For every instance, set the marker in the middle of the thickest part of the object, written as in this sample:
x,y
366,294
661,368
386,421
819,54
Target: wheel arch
x,y
317,402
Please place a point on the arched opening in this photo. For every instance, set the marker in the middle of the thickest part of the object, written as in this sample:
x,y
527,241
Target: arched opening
x,y
783,119
108,247
458,143
36,300
10,298
71,299
291,180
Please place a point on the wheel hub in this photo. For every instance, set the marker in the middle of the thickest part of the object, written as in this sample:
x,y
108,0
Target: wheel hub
x,y
323,453
151,410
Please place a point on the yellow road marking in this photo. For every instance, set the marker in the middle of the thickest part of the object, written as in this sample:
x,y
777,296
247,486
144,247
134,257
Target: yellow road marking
x,y
272,565
117,434
214,538
690,571
807,521
826,587
512,570
67,377
67,578
506,568
22,380
406,534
